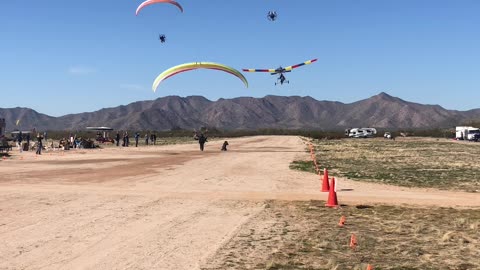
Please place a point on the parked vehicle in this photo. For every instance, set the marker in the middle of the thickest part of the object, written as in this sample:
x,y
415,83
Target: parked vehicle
x,y
361,132
467,133
388,135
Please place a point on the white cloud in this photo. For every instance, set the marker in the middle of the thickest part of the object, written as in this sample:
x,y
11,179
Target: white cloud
x,y
127,86
81,70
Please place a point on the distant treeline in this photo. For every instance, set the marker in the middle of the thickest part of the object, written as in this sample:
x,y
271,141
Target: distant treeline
x,y
212,132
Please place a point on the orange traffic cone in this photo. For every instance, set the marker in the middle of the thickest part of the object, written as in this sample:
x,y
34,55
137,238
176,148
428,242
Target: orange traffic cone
x,y
341,223
325,185
332,195
369,267
353,241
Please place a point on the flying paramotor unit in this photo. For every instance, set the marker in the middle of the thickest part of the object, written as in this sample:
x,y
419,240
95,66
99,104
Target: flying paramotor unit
x,y
196,65
272,15
150,2
281,79
162,38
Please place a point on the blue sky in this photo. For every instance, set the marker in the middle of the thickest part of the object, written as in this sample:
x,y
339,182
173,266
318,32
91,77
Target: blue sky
x,y
61,57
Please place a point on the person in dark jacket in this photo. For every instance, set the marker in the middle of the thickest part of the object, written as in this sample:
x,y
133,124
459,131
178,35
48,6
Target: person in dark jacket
x,y
153,138
40,144
137,136
117,138
19,140
224,146
202,140
28,141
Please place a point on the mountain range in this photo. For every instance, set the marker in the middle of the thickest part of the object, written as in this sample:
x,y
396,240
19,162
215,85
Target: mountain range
x,y
248,113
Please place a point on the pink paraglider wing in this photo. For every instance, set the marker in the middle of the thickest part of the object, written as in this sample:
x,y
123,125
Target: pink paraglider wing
x,y
150,2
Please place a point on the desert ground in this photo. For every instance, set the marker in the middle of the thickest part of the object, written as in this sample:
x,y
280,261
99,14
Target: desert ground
x,y
175,207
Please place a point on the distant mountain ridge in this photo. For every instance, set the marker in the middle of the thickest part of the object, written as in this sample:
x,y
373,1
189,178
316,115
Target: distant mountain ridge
x,y
276,112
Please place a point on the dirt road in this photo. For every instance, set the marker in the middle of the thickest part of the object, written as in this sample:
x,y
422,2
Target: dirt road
x,y
168,207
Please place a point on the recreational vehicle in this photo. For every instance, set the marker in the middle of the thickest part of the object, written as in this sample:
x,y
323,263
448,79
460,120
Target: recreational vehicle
x,y
361,132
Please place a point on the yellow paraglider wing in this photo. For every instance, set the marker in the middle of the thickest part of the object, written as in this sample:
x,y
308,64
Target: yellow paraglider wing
x,y
196,65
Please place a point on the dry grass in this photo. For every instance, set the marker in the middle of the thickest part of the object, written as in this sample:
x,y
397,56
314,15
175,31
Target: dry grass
x,y
413,162
306,235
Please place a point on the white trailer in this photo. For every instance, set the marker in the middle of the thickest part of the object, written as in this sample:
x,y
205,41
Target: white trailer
x,y
467,133
361,132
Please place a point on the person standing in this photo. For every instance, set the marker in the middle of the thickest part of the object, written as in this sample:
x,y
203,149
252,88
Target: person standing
x,y
19,140
202,140
71,140
137,135
126,140
28,141
224,146
74,141
40,144
117,138
146,138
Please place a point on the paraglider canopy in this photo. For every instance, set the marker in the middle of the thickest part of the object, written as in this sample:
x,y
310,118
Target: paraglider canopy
x,y
150,2
196,65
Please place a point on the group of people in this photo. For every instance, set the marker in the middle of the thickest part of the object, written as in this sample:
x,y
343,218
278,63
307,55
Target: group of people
x,y
75,142
149,139
20,138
